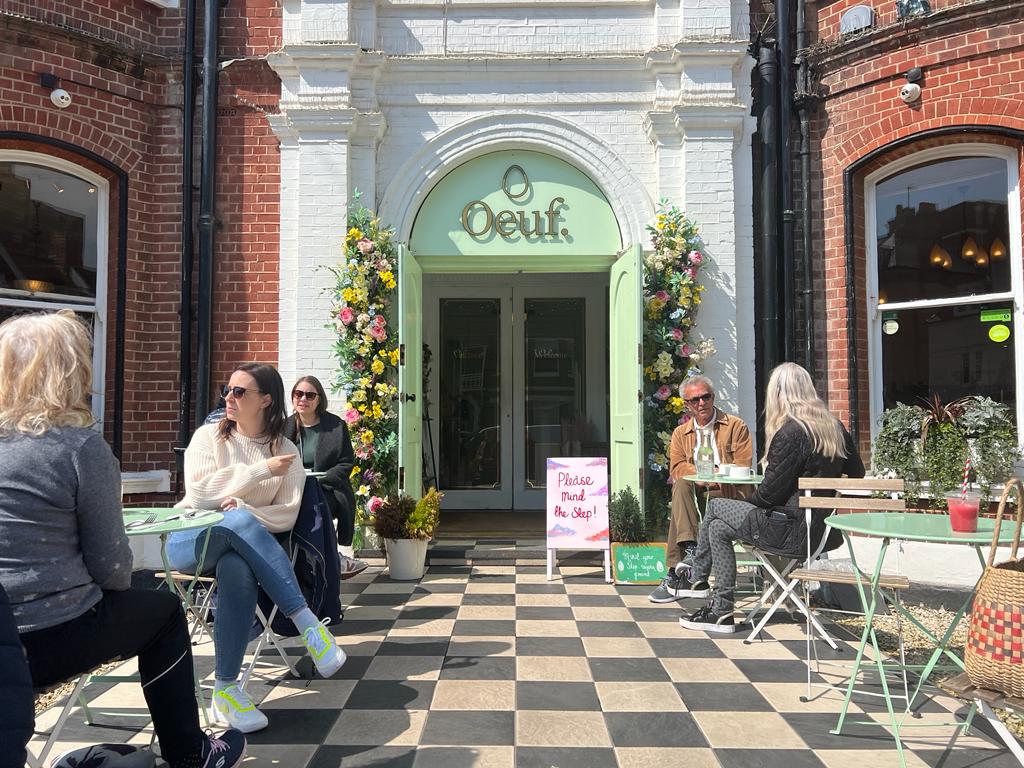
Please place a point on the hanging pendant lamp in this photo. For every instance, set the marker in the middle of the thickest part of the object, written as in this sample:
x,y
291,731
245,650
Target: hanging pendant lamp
x,y
939,257
997,250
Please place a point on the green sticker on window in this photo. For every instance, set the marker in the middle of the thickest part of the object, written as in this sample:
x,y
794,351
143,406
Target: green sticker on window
x,y
995,315
999,333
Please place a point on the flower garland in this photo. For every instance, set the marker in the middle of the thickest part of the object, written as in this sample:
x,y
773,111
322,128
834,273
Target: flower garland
x,y
672,296
367,349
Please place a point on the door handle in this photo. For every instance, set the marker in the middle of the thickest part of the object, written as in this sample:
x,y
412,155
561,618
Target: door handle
x,y
404,397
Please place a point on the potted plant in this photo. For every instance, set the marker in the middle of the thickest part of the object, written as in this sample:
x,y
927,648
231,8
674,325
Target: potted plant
x,y
635,558
406,525
932,442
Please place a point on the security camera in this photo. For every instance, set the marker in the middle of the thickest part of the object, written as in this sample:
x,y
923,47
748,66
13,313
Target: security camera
x,y
910,93
60,98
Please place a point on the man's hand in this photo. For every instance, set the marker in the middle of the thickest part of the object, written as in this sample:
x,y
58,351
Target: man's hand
x,y
279,465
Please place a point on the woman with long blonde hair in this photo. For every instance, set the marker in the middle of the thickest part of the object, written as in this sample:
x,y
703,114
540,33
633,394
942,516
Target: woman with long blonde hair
x,y
802,439
64,556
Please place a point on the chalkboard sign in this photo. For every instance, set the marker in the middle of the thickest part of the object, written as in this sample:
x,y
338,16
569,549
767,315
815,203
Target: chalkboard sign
x,y
639,563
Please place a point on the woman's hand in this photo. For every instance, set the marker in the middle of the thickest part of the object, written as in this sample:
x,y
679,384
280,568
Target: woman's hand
x,y
279,465
229,503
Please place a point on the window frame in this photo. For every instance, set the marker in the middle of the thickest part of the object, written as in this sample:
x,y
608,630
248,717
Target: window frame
x,y
1015,295
53,302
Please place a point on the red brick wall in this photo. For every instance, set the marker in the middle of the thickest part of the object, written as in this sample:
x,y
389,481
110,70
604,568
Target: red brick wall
x,y
121,61
973,67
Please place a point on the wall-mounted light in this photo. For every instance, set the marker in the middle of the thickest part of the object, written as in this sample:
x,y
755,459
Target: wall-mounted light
x,y
908,8
92,190
890,327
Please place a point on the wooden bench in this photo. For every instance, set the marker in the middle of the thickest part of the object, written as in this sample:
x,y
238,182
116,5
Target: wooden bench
x,y
984,699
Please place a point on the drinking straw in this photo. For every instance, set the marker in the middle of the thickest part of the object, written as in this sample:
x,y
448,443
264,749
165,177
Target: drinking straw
x,y
963,487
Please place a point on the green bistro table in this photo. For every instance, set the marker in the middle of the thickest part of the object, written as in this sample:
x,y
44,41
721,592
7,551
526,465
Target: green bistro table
x,y
906,526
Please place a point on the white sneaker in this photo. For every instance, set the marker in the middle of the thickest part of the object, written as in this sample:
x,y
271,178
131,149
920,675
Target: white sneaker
x,y
323,647
351,567
233,706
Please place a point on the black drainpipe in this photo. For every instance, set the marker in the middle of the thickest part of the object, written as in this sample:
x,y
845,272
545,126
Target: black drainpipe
x,y
804,104
207,215
785,84
188,67
768,69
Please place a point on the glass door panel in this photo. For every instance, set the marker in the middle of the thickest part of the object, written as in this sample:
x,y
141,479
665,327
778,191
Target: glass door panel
x,y
469,403
554,396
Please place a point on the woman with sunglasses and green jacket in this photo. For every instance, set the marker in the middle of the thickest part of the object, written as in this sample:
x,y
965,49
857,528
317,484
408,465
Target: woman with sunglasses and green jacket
x,y
245,467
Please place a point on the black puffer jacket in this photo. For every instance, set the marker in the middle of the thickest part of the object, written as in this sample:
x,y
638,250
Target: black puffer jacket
x,y
16,699
791,457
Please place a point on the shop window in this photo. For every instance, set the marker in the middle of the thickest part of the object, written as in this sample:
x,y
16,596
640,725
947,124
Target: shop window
x,y
53,244
944,288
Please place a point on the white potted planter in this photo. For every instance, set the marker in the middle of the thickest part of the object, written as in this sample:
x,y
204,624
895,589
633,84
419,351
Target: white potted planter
x,y
407,558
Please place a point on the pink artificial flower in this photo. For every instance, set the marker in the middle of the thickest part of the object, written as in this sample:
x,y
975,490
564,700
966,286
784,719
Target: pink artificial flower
x,y
661,296
374,504
364,452
663,393
365,246
359,365
685,350
677,334
380,321
378,333
351,416
696,257
347,315
692,272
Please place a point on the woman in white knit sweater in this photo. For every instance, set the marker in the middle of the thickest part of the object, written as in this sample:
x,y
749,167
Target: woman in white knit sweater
x,y
244,467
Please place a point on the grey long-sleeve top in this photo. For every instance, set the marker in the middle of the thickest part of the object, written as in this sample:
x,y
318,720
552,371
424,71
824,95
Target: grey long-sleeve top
x,y
62,538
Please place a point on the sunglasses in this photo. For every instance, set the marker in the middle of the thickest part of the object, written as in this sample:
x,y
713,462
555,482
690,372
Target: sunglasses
x,y
238,392
298,394
700,399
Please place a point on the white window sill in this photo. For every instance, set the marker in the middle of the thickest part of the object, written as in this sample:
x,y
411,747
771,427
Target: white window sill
x,y
164,3
153,481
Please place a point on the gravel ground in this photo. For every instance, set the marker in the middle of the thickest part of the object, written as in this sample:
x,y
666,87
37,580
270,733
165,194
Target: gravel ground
x,y
918,648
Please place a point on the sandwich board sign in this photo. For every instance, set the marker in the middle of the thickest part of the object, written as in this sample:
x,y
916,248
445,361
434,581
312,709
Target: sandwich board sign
x,y
639,563
577,507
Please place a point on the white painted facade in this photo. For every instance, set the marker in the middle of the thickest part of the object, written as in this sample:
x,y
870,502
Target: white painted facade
x,y
649,98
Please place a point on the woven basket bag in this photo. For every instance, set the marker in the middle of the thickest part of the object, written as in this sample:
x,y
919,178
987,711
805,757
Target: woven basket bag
x,y
994,655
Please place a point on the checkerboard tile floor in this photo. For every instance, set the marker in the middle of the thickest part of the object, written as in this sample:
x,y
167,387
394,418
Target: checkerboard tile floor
x,y
496,666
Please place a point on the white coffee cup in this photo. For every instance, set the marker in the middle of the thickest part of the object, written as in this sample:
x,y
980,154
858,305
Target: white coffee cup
x,y
725,470
740,472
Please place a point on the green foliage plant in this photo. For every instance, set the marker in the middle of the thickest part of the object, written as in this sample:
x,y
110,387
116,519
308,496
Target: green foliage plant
x,y
425,517
627,523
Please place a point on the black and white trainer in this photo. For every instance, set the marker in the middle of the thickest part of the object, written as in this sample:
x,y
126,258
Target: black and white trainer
x,y
707,619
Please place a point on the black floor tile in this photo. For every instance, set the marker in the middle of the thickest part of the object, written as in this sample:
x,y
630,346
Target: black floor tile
x,y
436,570
429,612
413,646
654,729
772,670
543,613
481,647
635,589
470,627
469,728
685,648
296,726
798,648
354,627
391,694
557,696
723,697
609,629
447,757
655,614
533,570
968,758
353,668
768,758
438,588
595,601
549,646
493,578
540,589
363,757
479,668
379,598
474,599
814,728
565,757
628,670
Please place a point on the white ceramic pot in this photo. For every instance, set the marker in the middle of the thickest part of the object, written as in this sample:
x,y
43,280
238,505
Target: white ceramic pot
x,y
407,558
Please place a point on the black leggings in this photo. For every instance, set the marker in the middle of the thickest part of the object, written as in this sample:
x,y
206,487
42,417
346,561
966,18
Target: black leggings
x,y
136,622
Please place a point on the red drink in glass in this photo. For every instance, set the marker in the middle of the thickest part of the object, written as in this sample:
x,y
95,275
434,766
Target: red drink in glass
x,y
963,511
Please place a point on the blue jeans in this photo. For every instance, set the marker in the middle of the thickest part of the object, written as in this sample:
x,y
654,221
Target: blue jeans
x,y
245,556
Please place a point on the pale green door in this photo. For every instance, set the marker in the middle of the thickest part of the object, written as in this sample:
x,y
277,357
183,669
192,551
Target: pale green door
x,y
625,334
410,373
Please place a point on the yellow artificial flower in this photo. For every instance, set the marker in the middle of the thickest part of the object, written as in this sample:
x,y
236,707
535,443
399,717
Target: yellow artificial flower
x,y
377,412
364,490
354,234
355,471
675,404
393,356
377,367
367,437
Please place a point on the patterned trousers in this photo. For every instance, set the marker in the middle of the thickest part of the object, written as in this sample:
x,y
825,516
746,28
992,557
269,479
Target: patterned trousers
x,y
726,521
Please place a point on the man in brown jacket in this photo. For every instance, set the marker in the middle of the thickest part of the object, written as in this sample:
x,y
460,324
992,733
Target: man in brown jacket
x,y
730,441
